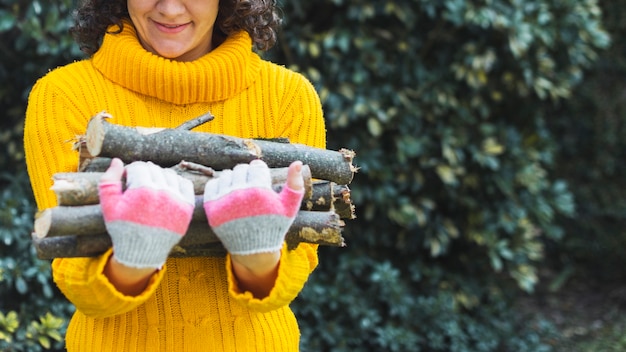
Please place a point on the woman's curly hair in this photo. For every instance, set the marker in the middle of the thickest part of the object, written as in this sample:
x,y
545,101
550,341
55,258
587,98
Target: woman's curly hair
x,y
260,18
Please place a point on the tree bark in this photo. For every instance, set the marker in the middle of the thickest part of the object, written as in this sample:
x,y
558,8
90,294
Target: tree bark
x,y
330,196
322,228
200,120
81,188
71,246
74,220
167,147
87,220
76,188
92,246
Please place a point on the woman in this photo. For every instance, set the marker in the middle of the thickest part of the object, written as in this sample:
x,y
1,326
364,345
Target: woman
x,y
160,63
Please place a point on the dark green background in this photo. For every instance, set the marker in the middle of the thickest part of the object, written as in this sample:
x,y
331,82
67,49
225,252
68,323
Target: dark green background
x,y
489,136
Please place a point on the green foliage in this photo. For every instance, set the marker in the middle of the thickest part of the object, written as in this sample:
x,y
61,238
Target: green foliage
x,y
47,328
459,113
8,324
32,312
33,40
610,338
446,104
593,148
359,304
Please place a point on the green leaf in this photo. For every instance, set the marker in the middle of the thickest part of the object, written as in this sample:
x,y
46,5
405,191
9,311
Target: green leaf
x,y
44,341
446,174
20,285
374,127
7,21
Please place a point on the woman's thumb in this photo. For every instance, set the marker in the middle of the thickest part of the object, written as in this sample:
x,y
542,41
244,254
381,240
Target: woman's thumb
x,y
294,176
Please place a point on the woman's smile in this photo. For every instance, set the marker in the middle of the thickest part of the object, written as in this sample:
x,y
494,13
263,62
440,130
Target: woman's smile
x,y
180,30
171,28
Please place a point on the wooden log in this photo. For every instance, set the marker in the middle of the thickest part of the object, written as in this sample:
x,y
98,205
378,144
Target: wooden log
x,y
92,246
343,202
75,220
318,227
88,163
79,230
73,189
87,220
322,228
81,188
71,246
76,188
191,124
167,147
328,195
86,159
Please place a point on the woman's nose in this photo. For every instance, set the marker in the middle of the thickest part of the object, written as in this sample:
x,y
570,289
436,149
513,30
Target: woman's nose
x,y
171,8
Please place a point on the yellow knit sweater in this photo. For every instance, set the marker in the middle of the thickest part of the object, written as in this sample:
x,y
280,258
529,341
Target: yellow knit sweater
x,y
193,304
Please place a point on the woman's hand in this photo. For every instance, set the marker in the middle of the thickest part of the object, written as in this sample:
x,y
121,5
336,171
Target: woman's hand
x,y
145,221
251,220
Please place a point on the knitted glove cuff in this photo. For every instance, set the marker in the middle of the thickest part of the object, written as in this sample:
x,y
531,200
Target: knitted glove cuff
x,y
262,234
253,220
139,246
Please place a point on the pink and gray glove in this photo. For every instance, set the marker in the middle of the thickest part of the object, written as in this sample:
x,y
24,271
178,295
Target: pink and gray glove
x,y
245,213
150,217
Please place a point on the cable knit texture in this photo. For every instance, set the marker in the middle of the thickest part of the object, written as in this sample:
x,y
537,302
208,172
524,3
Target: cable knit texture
x,y
192,304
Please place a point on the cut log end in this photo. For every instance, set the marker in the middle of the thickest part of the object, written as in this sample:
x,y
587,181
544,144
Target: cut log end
x,y
95,133
253,148
62,188
348,154
328,236
73,188
43,222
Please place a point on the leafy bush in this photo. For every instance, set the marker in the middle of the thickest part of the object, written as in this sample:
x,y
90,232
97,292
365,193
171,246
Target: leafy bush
x,y
33,39
32,311
591,157
452,107
446,105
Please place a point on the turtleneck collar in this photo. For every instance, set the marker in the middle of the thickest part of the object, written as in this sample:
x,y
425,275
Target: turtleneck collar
x,y
227,70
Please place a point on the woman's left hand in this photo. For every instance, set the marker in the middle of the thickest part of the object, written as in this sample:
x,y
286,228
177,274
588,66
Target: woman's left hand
x,y
251,219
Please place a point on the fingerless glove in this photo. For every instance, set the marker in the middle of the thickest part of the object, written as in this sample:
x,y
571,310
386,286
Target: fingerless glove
x,y
150,217
245,213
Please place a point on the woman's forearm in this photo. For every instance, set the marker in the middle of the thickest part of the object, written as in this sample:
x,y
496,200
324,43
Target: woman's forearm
x,y
256,272
127,280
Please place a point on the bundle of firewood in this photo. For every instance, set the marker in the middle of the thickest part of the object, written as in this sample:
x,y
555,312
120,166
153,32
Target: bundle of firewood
x,y
75,228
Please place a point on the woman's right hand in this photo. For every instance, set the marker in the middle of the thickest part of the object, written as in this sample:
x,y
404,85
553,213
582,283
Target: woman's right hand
x,y
146,220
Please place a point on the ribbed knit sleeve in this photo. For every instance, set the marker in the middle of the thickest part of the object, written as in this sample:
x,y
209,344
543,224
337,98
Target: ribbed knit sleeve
x,y
83,282
300,119
54,119
52,123
293,272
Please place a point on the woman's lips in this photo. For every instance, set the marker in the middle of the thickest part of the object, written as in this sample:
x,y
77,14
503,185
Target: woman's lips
x,y
171,28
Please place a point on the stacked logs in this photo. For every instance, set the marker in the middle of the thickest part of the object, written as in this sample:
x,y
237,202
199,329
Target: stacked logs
x,y
75,228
